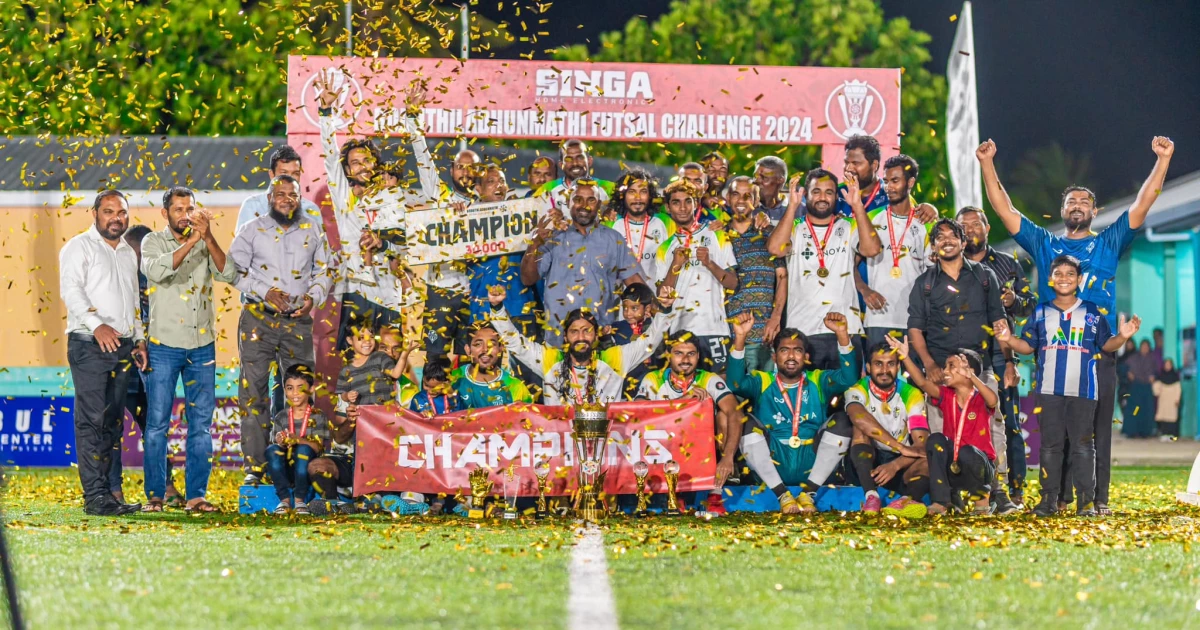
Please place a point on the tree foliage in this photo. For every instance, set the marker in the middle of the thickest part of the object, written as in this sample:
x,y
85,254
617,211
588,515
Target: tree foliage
x,y
839,33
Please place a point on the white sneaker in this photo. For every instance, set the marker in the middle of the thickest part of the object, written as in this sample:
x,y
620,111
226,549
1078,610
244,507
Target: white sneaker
x,y
283,508
301,507
251,479
1165,438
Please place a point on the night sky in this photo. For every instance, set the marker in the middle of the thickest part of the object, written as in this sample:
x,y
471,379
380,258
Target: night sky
x,y
1100,77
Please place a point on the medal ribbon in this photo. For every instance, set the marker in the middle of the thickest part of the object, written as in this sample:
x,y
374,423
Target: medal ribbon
x,y
820,244
303,424
629,236
794,409
679,384
892,235
962,417
880,394
577,388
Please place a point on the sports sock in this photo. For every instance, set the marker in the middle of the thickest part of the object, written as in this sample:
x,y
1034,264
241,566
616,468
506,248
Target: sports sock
x,y
758,456
862,457
830,452
917,487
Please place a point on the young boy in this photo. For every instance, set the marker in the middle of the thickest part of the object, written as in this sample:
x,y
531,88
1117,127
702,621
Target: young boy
x,y
962,456
637,311
391,341
1068,335
300,434
436,396
369,378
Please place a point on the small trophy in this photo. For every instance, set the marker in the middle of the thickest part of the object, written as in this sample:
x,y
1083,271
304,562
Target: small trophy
x,y
542,470
480,487
671,472
511,483
640,471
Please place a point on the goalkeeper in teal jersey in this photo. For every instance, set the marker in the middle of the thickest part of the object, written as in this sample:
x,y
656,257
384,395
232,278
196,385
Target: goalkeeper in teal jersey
x,y
486,382
788,440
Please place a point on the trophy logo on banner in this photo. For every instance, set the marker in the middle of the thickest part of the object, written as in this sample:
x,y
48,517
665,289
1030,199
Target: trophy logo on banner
x,y
589,428
856,102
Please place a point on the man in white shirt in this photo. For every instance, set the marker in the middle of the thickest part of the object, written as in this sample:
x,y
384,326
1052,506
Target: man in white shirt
x,y
905,240
366,212
699,265
283,161
637,219
820,250
105,342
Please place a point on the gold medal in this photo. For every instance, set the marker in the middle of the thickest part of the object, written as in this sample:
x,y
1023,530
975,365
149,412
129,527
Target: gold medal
x,y
896,273
954,468
823,272
794,442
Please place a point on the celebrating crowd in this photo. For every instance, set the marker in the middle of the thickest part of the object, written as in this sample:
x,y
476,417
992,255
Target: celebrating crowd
x,y
844,332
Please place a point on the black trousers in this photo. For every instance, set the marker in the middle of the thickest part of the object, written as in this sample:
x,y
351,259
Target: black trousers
x,y
1102,424
823,355
1063,420
446,316
975,473
101,382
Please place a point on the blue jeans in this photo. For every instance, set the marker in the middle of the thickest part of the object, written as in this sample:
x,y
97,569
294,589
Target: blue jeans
x,y
290,472
199,371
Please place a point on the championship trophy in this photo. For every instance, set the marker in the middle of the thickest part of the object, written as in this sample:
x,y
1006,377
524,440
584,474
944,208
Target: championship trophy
x,y
640,471
589,429
542,470
671,472
480,487
511,486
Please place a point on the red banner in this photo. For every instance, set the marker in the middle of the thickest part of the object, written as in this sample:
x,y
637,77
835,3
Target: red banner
x,y
399,450
624,102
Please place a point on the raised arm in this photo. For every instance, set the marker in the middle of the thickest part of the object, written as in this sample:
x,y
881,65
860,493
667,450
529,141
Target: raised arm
x,y
836,381
532,260
1164,149
997,196
339,186
1125,331
427,175
914,373
780,242
522,348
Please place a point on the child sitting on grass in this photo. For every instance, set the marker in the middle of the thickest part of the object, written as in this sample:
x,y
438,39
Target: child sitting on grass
x,y
961,457
369,378
300,434
437,395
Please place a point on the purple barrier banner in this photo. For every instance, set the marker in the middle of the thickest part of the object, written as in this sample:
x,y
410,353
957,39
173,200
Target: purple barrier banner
x,y
226,436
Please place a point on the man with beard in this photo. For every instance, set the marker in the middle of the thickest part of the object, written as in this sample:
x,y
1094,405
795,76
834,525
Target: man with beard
x,y
1018,303
365,211
698,264
575,164
283,161
1099,255
891,274
284,269
955,305
716,172
447,301
578,373
486,382
635,198
889,420
789,440
820,250
105,342
181,263
541,171
504,269
770,175
681,378
762,284
862,163
582,266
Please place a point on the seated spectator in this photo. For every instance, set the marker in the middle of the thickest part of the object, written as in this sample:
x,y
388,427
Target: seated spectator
x,y
962,456
682,378
789,440
890,431
299,434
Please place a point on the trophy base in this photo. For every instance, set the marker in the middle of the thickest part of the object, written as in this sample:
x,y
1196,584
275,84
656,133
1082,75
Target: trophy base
x,y
641,514
672,512
541,514
510,516
590,507
475,513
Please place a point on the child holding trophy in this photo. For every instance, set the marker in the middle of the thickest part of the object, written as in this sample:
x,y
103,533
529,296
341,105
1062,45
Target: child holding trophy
x,y
300,434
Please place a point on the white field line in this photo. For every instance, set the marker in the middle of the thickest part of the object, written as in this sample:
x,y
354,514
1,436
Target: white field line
x,y
590,605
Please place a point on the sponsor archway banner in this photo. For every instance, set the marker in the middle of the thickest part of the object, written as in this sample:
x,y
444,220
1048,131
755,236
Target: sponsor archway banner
x,y
624,102
399,450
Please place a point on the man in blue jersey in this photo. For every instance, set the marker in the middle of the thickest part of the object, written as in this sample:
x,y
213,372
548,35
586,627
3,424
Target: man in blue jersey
x,y
1098,255
788,440
1067,335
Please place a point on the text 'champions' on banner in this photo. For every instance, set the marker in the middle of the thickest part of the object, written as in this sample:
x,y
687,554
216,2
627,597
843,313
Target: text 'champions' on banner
x,y
399,450
625,102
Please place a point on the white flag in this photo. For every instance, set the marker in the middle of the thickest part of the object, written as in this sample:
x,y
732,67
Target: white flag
x,y
962,116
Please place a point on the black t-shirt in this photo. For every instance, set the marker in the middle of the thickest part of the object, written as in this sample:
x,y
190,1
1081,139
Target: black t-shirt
x,y
956,313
